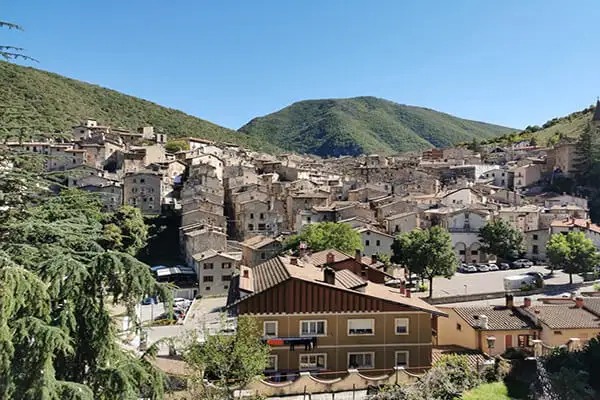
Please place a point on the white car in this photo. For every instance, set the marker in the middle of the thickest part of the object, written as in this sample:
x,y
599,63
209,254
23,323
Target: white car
x,y
493,267
180,302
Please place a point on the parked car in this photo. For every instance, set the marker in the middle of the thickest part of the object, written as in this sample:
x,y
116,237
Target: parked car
x,y
523,263
493,267
181,303
504,266
463,268
483,268
471,268
150,300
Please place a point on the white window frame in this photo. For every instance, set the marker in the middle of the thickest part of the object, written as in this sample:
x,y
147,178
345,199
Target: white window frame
x,y
372,353
407,326
407,358
265,328
361,334
312,355
315,321
275,362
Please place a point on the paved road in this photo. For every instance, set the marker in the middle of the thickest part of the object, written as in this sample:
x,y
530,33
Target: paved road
x,y
493,281
358,395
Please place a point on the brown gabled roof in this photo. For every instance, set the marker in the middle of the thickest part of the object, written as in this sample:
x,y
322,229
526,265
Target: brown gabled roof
x,y
475,358
565,316
279,269
499,318
592,305
320,258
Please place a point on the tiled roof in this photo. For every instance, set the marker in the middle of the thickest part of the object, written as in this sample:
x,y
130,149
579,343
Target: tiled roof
x,y
499,318
278,269
257,242
348,279
565,316
592,304
320,258
213,253
576,222
475,358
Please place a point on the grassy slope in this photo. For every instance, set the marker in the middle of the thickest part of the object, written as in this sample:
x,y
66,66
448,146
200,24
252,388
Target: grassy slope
x,y
488,391
364,125
50,103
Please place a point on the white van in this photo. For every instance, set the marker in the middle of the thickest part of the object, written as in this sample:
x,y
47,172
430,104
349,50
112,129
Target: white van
x,y
516,282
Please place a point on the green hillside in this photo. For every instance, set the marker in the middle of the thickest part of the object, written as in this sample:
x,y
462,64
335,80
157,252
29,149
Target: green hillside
x,y
358,125
45,102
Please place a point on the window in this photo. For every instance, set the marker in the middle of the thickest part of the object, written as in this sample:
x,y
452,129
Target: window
x,y
250,227
207,288
251,215
402,358
207,278
313,361
262,216
270,328
134,180
535,249
473,252
461,252
361,360
361,327
535,237
366,242
226,278
378,243
271,363
208,266
263,255
261,227
142,180
401,326
459,327
525,340
226,265
558,332
313,328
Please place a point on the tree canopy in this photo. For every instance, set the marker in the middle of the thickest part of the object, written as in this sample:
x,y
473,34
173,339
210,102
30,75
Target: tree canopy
x,y
230,361
327,235
57,337
174,146
572,252
427,253
501,239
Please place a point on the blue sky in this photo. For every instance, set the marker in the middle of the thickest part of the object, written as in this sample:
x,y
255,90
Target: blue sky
x,y
510,62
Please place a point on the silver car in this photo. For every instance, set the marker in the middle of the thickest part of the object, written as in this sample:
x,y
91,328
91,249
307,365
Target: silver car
x,y
493,267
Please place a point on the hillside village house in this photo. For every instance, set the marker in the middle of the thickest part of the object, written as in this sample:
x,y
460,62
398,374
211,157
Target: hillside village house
x,y
375,242
591,231
199,238
144,190
524,218
215,270
401,223
526,175
535,244
258,249
367,268
318,319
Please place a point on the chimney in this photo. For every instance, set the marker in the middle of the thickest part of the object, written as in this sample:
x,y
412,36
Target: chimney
x,y
329,275
357,255
302,249
579,302
373,259
483,322
588,224
510,302
246,274
330,258
293,261
527,302
407,293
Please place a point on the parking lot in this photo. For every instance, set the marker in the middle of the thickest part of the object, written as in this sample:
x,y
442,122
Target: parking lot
x,y
492,281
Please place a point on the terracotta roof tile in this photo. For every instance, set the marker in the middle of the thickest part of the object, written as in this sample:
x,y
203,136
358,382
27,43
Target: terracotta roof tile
x,y
592,305
565,316
257,242
320,258
475,358
499,318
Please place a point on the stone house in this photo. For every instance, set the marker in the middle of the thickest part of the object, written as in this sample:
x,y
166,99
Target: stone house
x,y
303,201
144,190
402,222
526,175
375,242
524,218
215,270
258,249
535,244
199,238
591,231
255,217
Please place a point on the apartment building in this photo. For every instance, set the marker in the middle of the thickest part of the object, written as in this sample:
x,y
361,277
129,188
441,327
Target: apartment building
x,y
319,319
258,249
215,270
143,190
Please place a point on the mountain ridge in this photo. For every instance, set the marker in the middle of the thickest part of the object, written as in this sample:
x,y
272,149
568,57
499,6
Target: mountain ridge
x,y
365,124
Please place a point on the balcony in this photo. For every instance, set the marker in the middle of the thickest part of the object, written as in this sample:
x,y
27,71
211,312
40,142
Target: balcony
x,y
306,342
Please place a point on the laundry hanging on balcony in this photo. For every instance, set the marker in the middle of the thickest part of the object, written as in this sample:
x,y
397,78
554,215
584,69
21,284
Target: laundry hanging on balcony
x,y
308,342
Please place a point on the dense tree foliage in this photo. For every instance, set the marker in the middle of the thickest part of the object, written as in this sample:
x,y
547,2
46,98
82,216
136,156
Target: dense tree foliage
x,y
174,146
427,253
327,235
501,239
572,252
227,361
125,230
57,337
